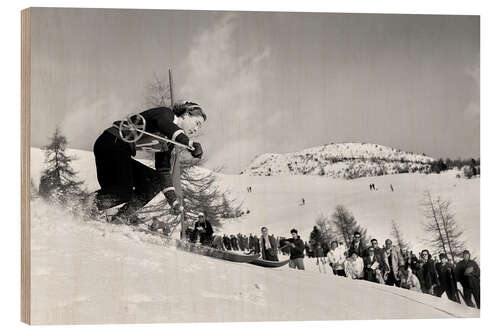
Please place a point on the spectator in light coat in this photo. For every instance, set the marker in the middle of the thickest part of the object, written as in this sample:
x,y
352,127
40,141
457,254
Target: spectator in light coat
x,y
408,279
393,260
336,258
268,246
354,267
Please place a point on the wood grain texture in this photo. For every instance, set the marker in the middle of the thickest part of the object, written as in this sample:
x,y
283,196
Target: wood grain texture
x,y
25,167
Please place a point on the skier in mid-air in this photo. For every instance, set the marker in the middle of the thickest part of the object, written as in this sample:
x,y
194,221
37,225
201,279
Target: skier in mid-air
x,y
125,180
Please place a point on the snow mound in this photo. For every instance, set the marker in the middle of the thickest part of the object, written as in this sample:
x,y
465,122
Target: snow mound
x,y
86,272
340,160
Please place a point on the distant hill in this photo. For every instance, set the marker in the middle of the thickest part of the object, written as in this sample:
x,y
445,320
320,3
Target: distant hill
x,y
340,160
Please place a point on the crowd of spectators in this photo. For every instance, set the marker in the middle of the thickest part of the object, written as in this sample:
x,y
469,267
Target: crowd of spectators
x,y
389,265
395,266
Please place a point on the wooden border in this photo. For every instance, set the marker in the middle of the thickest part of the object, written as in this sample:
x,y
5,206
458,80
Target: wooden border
x,y
25,167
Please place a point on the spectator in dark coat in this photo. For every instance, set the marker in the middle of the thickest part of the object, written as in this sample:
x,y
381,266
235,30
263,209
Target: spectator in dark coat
x,y
256,244
357,245
468,274
296,246
447,279
203,230
251,246
413,261
234,243
273,240
315,242
245,242
380,254
227,242
428,275
240,242
269,249
217,243
371,266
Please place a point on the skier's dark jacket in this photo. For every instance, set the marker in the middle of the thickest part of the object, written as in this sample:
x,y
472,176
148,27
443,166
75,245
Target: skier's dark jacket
x,y
160,120
298,250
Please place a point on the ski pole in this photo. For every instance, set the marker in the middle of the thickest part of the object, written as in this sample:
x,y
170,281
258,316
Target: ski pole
x,y
156,136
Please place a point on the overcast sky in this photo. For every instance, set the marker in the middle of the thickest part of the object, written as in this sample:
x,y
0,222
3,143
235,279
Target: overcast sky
x,y
269,82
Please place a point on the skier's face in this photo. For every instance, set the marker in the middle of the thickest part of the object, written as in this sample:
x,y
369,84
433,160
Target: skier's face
x,y
191,124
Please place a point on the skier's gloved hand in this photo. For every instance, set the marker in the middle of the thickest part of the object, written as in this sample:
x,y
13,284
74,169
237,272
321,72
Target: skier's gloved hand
x,y
197,152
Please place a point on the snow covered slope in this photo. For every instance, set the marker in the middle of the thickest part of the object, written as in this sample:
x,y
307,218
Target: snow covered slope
x,y
274,201
89,272
340,160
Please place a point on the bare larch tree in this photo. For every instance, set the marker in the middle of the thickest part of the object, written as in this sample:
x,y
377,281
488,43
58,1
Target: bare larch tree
x,y
444,234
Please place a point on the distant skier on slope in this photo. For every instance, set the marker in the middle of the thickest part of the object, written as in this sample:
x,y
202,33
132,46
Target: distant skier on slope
x,y
124,179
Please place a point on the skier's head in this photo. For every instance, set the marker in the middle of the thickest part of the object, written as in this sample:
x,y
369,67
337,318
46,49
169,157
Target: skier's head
x,y
371,250
357,236
190,117
263,230
443,257
374,243
334,244
294,233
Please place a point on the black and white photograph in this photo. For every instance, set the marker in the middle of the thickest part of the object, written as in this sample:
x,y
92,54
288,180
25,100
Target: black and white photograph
x,y
247,166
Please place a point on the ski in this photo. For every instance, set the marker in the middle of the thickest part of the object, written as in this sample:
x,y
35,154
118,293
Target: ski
x,y
214,253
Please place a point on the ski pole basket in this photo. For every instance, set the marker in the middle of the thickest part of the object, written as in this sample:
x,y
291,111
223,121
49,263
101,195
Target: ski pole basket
x,y
132,128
